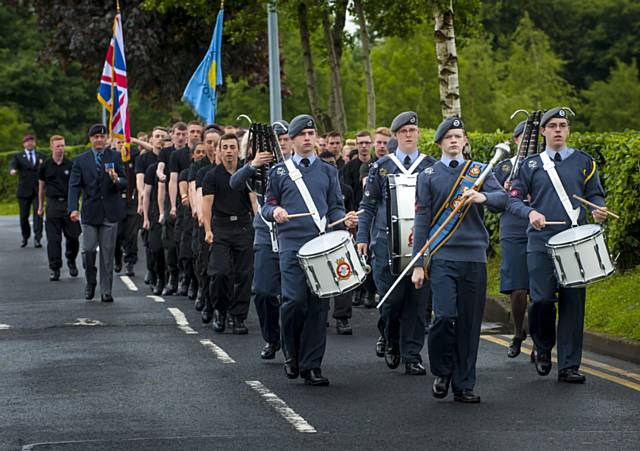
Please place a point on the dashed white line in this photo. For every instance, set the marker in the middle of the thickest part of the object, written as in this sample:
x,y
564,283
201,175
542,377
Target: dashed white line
x,y
218,351
5,327
299,423
86,322
181,321
155,298
129,283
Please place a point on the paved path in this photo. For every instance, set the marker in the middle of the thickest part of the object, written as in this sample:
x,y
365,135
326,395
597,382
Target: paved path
x,y
137,375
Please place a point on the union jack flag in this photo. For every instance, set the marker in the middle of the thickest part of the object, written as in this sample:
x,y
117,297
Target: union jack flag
x,y
113,93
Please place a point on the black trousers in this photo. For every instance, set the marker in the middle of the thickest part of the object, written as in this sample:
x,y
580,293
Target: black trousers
x,y
58,224
230,268
156,256
25,204
169,245
127,239
185,248
201,263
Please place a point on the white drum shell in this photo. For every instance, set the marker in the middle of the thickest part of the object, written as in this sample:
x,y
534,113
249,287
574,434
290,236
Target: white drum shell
x,y
580,256
331,264
401,215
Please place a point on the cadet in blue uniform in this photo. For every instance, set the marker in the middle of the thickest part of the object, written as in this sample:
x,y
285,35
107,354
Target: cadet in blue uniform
x,y
458,263
402,319
303,315
266,271
514,277
578,173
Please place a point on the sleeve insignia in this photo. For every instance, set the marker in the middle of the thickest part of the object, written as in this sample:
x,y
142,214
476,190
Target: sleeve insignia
x,y
532,164
383,172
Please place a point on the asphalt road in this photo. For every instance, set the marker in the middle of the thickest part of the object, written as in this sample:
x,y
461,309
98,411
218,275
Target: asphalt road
x,y
78,375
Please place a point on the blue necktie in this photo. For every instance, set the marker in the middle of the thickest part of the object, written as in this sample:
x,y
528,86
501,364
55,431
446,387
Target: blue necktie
x,y
407,161
99,161
557,157
305,162
32,157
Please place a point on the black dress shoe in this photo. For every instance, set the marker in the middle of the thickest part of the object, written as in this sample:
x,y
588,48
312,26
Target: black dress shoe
x,y
415,369
199,304
219,321
381,344
107,298
467,397
514,346
291,368
89,291
238,327
392,356
269,351
440,387
158,288
168,291
73,269
343,326
314,377
357,299
171,287
571,376
370,300
543,363
54,275
130,270
117,266
23,243
192,293
37,244
207,316
147,278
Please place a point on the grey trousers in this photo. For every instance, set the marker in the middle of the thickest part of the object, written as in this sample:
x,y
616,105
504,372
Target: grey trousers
x,y
104,236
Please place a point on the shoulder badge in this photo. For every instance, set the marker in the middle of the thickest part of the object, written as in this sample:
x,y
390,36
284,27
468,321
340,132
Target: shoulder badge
x,y
505,167
429,170
532,164
280,171
383,172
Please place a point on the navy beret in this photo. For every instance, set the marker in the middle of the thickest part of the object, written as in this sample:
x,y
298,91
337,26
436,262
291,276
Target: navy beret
x,y
299,123
449,123
97,129
280,127
402,119
392,145
553,113
519,129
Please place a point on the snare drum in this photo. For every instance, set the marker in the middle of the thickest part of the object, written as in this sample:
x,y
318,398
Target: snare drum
x,y
401,213
580,256
331,264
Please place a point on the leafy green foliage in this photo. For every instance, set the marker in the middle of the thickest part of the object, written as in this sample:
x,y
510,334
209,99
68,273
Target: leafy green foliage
x,y
12,129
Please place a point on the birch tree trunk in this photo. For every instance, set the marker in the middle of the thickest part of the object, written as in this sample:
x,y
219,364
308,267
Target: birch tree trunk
x,y
337,111
309,68
368,70
447,56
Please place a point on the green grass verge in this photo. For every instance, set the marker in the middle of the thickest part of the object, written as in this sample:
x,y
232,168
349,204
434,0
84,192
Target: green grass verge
x,y
613,305
9,208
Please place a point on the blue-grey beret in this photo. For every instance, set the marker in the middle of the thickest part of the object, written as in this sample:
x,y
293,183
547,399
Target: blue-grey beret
x,y
280,127
449,123
392,145
402,119
97,129
519,129
553,113
300,123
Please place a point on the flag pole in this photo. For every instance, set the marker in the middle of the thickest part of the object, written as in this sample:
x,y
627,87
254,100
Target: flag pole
x,y
275,103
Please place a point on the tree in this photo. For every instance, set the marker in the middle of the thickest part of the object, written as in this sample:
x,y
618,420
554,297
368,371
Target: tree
x,y
336,101
615,104
12,130
447,56
366,62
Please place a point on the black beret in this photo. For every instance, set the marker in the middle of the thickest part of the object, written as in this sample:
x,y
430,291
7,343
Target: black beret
x,y
402,119
280,127
553,113
299,123
392,145
519,129
97,129
449,123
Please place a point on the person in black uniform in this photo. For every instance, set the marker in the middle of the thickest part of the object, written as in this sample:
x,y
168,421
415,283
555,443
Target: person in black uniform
x,y
54,184
231,239
26,165
152,223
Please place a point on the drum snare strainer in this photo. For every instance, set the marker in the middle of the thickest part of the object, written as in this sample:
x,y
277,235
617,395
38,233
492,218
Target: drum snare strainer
x,y
580,256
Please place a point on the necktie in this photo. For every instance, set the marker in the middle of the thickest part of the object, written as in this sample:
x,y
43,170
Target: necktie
x,y
305,162
557,158
453,164
99,161
32,157
407,161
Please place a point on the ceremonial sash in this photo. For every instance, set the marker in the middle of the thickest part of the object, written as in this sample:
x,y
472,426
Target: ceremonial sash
x,y
549,166
468,177
296,176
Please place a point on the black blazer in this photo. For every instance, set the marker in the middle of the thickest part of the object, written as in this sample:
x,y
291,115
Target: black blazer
x,y
27,173
101,199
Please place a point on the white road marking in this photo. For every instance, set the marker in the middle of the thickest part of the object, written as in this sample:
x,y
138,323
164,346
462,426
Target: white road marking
x,y
129,283
299,423
218,351
4,326
181,321
155,298
86,322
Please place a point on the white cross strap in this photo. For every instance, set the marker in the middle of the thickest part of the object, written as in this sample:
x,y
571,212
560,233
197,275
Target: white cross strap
x,y
549,166
401,166
296,176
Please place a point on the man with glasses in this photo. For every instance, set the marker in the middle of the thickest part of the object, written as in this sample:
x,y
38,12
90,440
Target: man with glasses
x,y
351,171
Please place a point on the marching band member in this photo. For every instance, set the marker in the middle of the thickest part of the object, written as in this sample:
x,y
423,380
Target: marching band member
x,y
577,174
457,269
514,277
266,269
402,319
303,183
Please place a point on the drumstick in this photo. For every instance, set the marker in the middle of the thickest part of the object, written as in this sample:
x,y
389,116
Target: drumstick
x,y
340,221
591,204
299,215
555,223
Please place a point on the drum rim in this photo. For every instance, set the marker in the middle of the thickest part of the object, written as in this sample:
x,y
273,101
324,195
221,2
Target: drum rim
x,y
345,234
574,243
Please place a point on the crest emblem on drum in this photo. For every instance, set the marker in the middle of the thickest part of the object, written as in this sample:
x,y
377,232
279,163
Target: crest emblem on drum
x,y
474,171
410,239
343,270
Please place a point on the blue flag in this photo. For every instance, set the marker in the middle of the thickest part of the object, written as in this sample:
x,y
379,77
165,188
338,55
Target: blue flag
x,y
202,90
